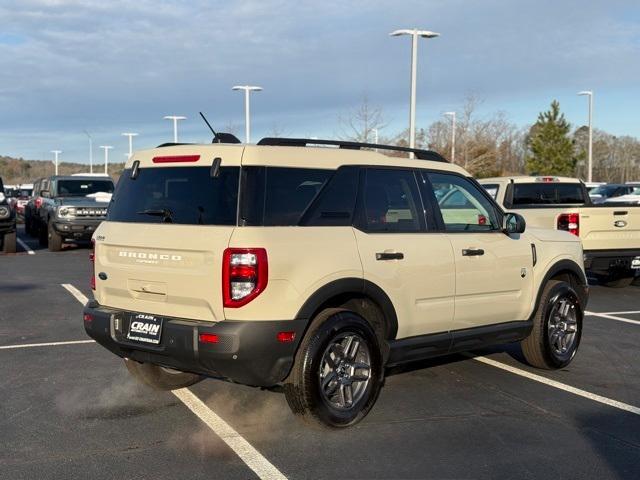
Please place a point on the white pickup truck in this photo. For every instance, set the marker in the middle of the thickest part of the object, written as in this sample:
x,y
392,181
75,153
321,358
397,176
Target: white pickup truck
x,y
610,234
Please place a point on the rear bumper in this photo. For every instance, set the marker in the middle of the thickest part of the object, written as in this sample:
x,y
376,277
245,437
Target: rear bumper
x,y
79,229
605,261
247,352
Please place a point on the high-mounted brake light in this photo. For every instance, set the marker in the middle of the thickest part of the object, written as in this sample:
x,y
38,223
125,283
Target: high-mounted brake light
x,y
569,222
92,259
176,159
245,272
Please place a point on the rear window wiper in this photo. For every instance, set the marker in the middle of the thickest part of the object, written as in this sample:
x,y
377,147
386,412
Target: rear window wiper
x,y
165,213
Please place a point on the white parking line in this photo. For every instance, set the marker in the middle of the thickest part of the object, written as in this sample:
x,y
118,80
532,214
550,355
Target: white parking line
x,y
47,344
249,455
630,312
75,292
561,386
25,247
613,317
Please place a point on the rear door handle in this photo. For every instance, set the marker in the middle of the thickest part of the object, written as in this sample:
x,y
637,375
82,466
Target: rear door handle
x,y
472,252
389,256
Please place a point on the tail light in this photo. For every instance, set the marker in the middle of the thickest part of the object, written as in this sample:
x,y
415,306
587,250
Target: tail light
x,y
92,259
245,272
569,222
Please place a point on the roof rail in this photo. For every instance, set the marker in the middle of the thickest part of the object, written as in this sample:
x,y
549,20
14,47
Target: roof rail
x,y
303,142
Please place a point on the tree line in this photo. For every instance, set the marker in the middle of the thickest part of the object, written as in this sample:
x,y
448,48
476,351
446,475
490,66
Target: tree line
x,y
491,145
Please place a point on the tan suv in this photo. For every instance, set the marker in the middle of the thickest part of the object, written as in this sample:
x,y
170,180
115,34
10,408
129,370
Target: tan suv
x,y
311,269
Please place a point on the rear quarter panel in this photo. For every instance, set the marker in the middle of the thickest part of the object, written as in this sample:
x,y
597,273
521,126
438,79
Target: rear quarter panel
x,y
301,260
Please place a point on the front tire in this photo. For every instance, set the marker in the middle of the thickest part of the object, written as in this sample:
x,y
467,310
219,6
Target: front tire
x,y
9,243
160,378
557,327
54,239
337,374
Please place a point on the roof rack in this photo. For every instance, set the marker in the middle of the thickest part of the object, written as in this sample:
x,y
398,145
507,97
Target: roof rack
x,y
303,142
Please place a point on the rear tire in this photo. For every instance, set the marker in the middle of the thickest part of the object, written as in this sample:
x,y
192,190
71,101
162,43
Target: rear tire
x,y
557,327
55,239
42,234
338,371
160,378
618,282
9,243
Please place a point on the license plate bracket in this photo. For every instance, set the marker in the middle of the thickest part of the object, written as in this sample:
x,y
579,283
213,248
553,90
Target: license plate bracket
x,y
145,328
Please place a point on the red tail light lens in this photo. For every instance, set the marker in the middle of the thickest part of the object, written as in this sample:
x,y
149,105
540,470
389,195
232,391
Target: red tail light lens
x,y
286,337
92,258
245,272
208,338
569,222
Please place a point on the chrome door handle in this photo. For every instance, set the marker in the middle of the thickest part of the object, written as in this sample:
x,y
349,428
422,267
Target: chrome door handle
x,y
472,252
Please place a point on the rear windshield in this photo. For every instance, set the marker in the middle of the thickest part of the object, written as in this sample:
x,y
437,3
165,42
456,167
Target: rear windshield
x,y
189,196
77,188
547,193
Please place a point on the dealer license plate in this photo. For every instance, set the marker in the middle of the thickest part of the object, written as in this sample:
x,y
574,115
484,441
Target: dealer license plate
x,y
145,328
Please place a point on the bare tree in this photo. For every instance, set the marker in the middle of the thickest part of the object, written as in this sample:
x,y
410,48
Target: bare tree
x,y
361,123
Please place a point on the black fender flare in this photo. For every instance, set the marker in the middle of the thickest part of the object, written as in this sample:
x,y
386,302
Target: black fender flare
x,y
356,286
560,267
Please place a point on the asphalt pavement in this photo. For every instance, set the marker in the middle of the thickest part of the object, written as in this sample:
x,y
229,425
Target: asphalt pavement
x,y
70,410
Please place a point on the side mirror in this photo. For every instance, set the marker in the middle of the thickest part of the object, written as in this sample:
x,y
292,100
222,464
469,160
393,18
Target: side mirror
x,y
513,223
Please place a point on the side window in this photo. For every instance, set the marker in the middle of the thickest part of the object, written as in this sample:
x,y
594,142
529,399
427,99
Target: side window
x,y
463,206
276,196
335,204
391,202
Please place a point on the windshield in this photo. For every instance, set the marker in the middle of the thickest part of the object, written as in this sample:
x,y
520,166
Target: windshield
x,y
180,195
81,188
604,190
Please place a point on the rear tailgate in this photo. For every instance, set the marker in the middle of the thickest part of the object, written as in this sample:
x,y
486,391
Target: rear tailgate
x,y
610,228
162,269
160,250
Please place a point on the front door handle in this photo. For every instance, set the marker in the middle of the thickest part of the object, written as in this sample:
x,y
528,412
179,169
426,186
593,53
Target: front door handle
x,y
472,252
389,256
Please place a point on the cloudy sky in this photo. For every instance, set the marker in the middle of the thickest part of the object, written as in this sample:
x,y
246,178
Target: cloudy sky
x,y
110,66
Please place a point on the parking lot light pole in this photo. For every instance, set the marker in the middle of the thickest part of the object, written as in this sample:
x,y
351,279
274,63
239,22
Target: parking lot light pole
x,y
175,119
453,135
56,153
247,109
106,149
590,154
415,33
90,151
131,135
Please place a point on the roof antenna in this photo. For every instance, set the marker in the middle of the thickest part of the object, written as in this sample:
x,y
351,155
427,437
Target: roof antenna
x,y
209,125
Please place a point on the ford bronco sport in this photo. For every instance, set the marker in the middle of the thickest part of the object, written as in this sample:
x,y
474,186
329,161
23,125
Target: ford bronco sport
x,y
310,269
610,234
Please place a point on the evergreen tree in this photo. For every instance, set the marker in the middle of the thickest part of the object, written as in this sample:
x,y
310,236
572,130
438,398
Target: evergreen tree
x,y
550,148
